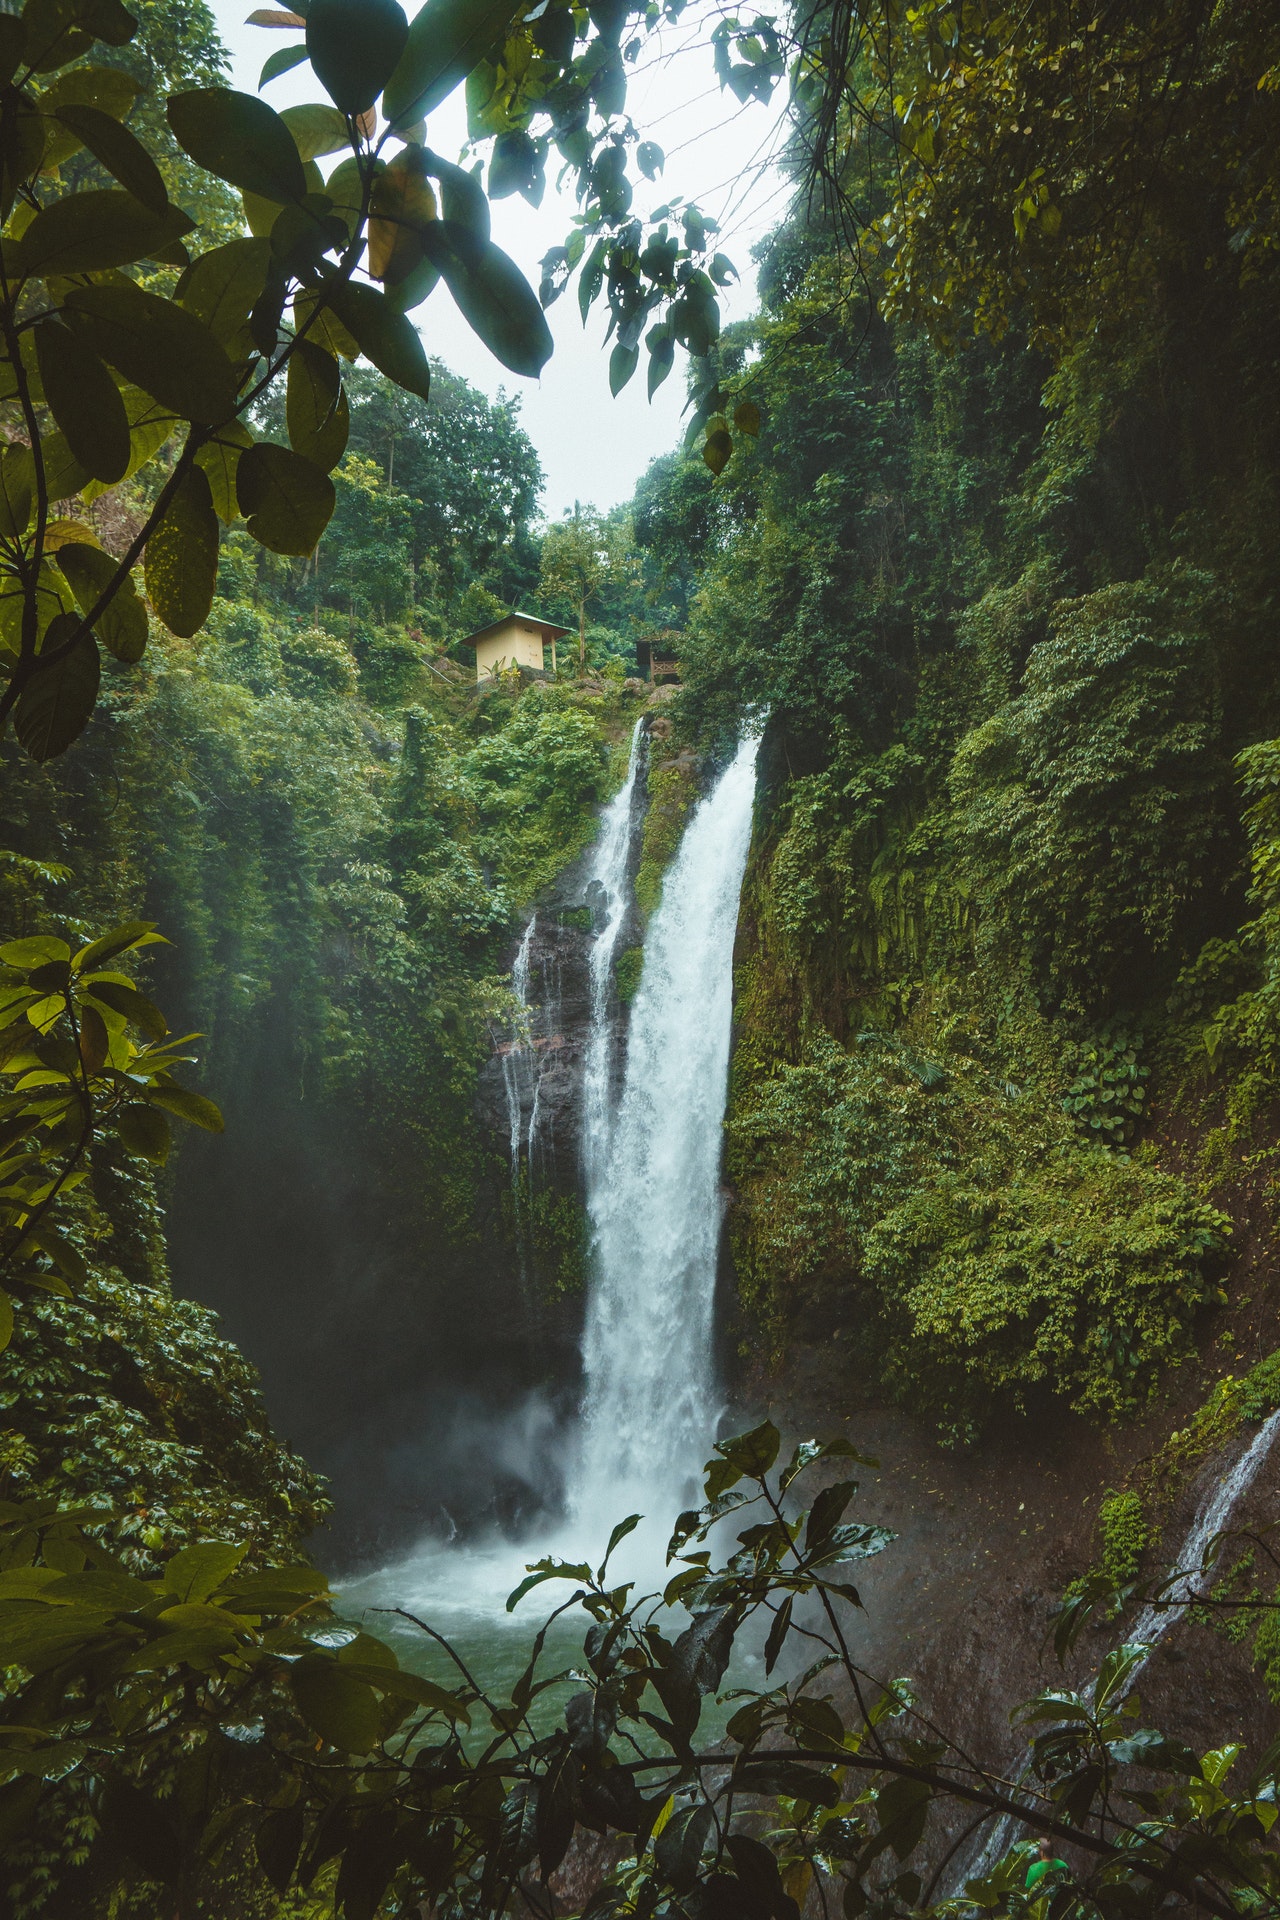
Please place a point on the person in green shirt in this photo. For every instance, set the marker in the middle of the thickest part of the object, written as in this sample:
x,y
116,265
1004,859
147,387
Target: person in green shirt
x,y
1044,1864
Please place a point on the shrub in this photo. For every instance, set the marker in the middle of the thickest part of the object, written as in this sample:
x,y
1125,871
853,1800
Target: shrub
x,y
626,974
1125,1534
990,1256
316,661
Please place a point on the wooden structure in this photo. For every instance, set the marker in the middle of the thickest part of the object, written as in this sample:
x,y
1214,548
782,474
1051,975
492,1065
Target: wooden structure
x,y
516,640
656,657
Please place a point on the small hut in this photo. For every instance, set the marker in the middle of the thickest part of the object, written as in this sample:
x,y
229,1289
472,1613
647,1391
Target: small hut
x,y
516,640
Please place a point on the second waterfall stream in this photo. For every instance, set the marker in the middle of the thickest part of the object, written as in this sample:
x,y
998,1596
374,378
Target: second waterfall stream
x,y
651,1170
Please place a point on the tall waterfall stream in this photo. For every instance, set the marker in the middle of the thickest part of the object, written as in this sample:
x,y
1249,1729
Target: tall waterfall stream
x,y
651,1166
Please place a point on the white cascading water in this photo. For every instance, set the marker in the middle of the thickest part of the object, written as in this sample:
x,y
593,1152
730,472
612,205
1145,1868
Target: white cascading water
x,y
652,1168
1214,1516
653,1194
520,1076
606,890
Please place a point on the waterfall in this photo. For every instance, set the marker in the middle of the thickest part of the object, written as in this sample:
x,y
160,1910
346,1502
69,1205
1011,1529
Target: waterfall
x,y
651,1162
653,1181
1183,1583
520,1076
608,895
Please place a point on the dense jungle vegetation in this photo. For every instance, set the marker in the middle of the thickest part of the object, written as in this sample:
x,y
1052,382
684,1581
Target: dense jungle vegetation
x,y
976,519
1006,586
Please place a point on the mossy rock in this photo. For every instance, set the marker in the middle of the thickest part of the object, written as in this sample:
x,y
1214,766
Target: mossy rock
x,y
626,974
672,791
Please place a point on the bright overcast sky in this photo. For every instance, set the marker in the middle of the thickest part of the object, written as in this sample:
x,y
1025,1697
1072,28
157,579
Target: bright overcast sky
x,y
593,448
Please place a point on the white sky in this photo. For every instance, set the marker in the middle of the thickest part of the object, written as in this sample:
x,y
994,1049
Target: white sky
x,y
593,448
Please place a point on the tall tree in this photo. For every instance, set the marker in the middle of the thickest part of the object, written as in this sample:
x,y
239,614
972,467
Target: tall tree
x,y
585,556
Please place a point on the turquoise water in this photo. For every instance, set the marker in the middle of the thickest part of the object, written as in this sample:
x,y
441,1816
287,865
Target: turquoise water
x,y
461,1592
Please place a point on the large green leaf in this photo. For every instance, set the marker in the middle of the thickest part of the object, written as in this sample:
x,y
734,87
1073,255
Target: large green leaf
x,y
84,400
281,62
106,88
120,152
195,1572
278,1842
122,627
322,325
53,708
109,88
150,425
17,489
121,939
752,1453
286,500
401,205
189,1106
341,1708
64,475
410,292
222,287
315,408
144,1132
463,202
316,129
130,1005
384,336
23,144
494,298
354,47
219,459
446,40
161,347
87,232
57,31
182,557
239,138
12,40
346,189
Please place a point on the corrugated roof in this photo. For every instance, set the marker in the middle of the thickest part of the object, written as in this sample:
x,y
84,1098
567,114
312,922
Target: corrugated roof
x,y
547,628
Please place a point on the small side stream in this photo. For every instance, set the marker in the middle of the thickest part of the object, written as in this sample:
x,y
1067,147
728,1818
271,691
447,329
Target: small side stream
x,y
1184,1583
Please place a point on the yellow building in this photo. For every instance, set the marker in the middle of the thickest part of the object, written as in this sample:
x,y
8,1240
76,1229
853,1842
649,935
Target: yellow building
x,y
517,640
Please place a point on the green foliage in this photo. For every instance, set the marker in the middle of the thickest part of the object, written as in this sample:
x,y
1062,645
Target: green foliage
x,y
555,1224
627,969
672,791
1124,1535
371,534
221,1717
989,1257
1107,1094
1244,1028
1092,804
168,385
587,561
73,1067
128,1399
1008,607
1000,189
533,785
